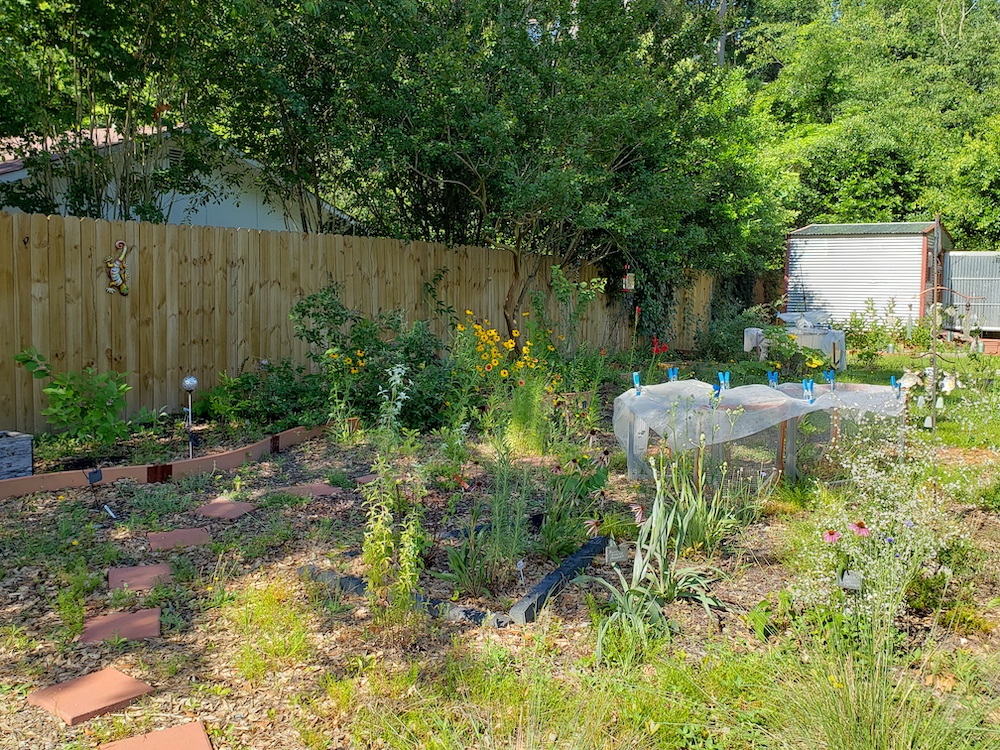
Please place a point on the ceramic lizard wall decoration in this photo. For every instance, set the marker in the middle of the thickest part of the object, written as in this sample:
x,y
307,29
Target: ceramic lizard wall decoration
x,y
117,272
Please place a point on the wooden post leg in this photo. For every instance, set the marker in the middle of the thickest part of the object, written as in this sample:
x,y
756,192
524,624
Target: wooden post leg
x,y
782,429
791,436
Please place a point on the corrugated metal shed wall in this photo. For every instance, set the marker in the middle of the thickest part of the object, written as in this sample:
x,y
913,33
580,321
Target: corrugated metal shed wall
x,y
838,274
974,274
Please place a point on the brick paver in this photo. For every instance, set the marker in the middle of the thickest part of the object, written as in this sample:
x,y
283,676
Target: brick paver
x,y
139,577
185,737
77,700
223,507
180,538
133,626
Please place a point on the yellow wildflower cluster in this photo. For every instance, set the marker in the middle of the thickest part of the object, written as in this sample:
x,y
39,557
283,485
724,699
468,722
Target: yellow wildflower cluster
x,y
353,362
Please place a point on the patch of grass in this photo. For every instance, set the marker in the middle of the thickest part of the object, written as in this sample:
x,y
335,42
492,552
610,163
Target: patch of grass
x,y
281,500
275,630
339,478
150,505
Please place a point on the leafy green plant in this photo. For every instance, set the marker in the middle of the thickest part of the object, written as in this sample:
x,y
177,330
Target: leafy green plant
x,y
320,320
393,553
87,405
467,568
273,397
657,577
507,536
869,333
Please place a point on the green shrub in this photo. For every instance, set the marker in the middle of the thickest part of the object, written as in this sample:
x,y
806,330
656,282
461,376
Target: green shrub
x,y
87,405
274,397
722,339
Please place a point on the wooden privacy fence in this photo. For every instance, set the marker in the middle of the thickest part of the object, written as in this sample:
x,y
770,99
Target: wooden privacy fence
x,y
205,300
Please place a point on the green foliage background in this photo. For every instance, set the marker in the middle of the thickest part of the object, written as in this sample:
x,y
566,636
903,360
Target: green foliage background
x,y
666,136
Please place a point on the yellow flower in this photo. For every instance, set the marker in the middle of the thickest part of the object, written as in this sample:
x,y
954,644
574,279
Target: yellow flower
x,y
561,337
360,353
361,363
494,363
504,373
468,312
551,348
792,336
525,313
75,542
354,371
447,403
480,348
479,368
461,327
528,343
515,333
508,344
519,364
348,360
485,355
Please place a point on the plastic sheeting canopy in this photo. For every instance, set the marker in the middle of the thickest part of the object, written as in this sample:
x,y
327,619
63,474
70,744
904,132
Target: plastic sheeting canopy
x,y
687,414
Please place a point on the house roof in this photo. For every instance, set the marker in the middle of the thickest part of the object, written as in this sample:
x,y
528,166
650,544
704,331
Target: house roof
x,y
12,148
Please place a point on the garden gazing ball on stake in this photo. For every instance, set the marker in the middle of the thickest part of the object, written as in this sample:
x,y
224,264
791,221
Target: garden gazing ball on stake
x,y
189,384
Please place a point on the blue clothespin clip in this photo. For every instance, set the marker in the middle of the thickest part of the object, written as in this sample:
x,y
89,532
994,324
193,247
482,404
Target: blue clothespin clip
x,y
672,373
895,386
830,376
807,389
716,398
726,383
772,378
635,380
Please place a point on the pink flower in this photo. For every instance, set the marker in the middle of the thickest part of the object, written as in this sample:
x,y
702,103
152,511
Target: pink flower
x,y
831,536
639,512
593,526
860,529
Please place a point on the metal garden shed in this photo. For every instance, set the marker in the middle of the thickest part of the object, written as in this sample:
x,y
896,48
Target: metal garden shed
x,y
973,289
836,268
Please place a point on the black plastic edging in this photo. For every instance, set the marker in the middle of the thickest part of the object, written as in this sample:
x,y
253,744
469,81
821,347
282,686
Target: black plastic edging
x,y
526,610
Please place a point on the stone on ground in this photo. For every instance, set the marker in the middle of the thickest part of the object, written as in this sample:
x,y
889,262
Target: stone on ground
x,y
180,538
139,577
223,507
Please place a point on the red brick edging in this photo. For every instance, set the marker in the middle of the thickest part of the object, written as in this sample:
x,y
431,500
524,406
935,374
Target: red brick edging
x,y
148,473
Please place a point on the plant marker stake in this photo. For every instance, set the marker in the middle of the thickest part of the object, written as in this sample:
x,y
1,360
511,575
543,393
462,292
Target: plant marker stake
x,y
110,512
635,379
520,570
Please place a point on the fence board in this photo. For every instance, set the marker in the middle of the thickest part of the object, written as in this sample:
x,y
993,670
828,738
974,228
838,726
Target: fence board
x,y
26,414
171,278
208,300
98,279
40,328
157,341
139,291
144,294
56,291
88,288
72,253
8,325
